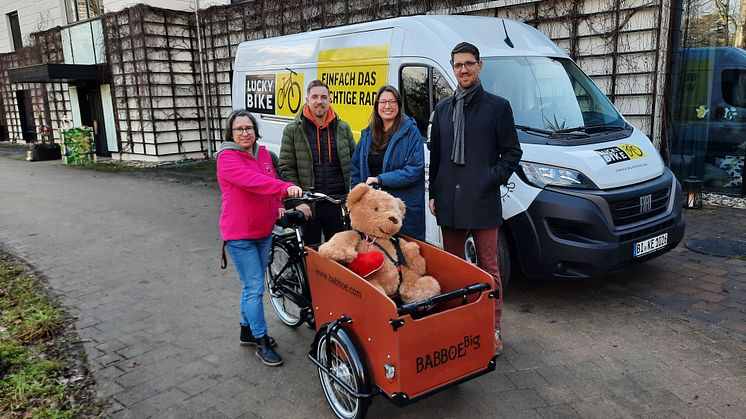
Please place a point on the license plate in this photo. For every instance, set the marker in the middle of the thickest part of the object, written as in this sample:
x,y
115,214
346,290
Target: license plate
x,y
650,245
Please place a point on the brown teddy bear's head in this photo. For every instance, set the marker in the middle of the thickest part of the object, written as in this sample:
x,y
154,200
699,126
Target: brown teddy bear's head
x,y
374,212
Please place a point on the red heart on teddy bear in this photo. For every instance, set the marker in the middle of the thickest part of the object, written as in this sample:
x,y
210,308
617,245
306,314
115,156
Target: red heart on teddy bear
x,y
367,263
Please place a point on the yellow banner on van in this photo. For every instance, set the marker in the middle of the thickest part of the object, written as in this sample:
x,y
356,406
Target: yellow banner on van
x,y
354,76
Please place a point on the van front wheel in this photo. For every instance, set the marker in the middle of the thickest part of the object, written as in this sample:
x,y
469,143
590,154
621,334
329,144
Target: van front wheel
x,y
503,255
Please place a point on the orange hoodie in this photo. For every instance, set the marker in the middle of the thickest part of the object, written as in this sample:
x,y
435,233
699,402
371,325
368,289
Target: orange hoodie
x,y
330,115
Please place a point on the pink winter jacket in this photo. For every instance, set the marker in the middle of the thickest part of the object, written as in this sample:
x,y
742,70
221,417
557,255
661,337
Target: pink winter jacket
x,y
250,192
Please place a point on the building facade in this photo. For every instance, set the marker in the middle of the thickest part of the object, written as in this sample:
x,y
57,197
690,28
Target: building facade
x,y
154,82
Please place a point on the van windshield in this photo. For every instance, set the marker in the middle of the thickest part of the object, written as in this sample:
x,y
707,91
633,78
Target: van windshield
x,y
550,96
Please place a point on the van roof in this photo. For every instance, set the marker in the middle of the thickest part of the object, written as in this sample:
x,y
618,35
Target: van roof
x,y
730,56
431,36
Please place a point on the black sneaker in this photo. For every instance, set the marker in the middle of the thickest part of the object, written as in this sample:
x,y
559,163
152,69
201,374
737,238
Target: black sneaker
x,y
266,353
247,338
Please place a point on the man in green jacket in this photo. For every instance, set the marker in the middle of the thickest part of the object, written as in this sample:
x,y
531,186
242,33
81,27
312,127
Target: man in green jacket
x,y
315,153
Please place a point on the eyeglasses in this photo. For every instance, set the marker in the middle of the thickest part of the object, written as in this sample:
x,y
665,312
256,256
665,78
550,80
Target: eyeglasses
x,y
391,102
247,130
469,65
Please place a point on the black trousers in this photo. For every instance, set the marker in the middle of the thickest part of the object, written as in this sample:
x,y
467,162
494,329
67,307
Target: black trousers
x,y
327,219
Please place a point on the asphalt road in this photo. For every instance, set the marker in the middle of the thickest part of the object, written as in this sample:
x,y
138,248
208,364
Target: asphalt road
x,y
136,260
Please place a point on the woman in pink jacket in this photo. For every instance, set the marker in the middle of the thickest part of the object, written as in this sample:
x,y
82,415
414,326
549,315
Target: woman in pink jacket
x,y
251,197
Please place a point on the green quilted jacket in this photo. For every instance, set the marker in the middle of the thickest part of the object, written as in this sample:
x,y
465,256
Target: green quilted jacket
x,y
296,164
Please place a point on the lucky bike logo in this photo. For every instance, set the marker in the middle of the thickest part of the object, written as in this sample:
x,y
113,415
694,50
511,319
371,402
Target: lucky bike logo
x,y
260,93
620,153
275,94
443,356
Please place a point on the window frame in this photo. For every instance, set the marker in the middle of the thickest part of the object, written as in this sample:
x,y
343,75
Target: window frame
x,y
14,29
430,89
732,77
73,12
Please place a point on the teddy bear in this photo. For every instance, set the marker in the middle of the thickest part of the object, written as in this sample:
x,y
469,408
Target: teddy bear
x,y
375,217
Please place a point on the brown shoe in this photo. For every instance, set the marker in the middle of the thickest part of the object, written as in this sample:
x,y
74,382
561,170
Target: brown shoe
x,y
498,343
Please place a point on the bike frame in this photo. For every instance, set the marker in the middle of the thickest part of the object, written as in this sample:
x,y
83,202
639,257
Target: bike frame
x,y
294,245
293,242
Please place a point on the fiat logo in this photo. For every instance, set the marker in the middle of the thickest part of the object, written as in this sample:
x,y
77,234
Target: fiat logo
x,y
646,203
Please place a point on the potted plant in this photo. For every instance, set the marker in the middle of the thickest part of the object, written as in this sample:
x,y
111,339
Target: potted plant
x,y
47,149
78,144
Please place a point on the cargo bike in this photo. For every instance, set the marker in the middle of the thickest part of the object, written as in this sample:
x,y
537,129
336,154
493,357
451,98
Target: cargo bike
x,y
366,344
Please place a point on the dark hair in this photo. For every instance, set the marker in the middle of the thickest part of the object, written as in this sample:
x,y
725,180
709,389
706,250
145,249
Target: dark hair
x,y
228,132
378,134
465,47
316,83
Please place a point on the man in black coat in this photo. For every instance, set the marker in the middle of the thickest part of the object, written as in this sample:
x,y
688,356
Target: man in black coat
x,y
474,149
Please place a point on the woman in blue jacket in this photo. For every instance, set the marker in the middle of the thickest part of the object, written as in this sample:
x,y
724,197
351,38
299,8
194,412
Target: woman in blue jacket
x,y
390,154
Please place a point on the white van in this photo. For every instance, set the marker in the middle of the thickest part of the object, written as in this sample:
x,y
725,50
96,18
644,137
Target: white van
x,y
592,194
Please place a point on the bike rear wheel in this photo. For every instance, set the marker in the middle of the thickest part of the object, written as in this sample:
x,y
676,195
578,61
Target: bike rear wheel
x,y
285,284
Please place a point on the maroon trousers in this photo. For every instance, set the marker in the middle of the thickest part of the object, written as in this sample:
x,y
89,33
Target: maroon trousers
x,y
485,241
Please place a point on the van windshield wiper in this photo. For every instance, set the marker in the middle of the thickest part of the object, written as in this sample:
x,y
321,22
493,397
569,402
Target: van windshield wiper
x,y
600,128
534,130
551,133
589,128
576,130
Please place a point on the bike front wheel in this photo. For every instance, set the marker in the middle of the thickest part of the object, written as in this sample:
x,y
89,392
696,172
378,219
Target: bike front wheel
x,y
285,285
293,93
337,352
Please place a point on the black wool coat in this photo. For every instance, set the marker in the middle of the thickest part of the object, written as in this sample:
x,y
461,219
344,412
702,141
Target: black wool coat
x,y
468,196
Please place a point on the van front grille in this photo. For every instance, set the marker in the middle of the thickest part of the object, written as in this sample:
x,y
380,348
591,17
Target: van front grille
x,y
646,232
630,210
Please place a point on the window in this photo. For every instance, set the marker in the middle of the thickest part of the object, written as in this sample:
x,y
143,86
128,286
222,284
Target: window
x,y
549,93
15,30
77,10
422,87
734,87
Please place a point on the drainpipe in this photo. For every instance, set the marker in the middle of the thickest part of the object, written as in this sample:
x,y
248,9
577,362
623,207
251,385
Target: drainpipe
x,y
202,77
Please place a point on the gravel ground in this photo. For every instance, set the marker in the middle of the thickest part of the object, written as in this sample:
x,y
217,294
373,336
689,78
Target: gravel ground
x,y
718,200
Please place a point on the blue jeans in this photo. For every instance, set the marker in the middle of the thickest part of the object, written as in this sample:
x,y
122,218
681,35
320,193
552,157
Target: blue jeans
x,y
251,258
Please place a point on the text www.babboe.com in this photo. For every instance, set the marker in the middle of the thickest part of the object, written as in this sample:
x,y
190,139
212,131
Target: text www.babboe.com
x,y
341,284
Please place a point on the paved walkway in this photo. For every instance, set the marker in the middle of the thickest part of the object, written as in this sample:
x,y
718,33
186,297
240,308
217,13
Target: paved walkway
x,y
707,288
136,260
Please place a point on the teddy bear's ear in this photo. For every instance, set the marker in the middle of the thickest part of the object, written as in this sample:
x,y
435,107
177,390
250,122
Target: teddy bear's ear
x,y
357,193
402,207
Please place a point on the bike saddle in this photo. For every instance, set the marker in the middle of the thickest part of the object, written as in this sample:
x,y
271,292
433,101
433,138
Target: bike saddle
x,y
291,219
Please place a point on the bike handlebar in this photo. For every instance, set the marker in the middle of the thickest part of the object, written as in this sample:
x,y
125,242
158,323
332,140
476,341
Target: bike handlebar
x,y
309,196
455,294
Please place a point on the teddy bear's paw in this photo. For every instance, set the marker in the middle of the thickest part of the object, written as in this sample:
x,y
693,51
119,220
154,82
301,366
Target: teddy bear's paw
x,y
380,286
339,255
419,289
347,255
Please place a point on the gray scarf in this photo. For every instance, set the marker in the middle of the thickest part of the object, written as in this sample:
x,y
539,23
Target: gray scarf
x,y
461,98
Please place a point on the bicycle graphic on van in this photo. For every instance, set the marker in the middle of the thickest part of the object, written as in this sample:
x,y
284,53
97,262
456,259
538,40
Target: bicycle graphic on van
x,y
289,91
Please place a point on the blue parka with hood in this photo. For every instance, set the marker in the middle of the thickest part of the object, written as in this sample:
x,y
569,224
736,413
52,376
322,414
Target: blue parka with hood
x,y
403,172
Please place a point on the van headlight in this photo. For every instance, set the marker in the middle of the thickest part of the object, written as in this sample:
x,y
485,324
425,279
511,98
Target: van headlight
x,y
542,175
